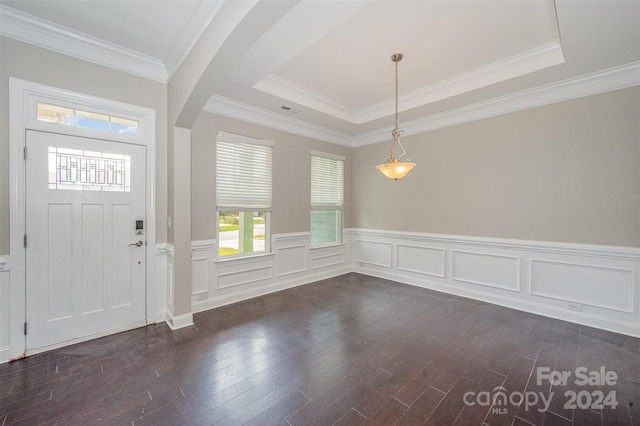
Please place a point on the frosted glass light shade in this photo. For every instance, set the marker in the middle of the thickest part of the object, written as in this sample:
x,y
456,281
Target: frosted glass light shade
x,y
395,169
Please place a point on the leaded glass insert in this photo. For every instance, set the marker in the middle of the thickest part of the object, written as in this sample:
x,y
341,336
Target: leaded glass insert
x,y
81,170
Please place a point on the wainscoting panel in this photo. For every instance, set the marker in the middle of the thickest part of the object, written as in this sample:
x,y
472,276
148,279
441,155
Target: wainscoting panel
x,y
421,260
170,281
4,308
262,271
291,263
292,259
324,260
608,288
164,251
597,286
486,269
199,275
378,253
203,253
173,321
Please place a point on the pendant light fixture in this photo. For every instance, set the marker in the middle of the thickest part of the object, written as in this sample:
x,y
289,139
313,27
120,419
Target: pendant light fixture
x,y
395,168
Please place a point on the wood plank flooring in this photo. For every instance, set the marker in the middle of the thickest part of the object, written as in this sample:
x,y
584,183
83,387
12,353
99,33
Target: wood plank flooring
x,y
352,350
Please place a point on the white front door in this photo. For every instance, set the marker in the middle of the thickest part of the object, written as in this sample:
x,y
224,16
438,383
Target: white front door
x,y
85,275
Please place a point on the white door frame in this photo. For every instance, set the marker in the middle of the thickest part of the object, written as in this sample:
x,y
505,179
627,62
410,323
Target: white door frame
x,y
23,98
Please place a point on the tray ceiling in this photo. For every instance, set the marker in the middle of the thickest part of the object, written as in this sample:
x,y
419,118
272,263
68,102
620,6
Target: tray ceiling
x,y
329,62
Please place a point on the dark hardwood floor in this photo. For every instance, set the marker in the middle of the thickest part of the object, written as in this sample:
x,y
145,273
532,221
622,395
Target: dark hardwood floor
x,y
350,350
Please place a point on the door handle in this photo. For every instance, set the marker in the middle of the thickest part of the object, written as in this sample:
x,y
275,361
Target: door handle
x,y
137,243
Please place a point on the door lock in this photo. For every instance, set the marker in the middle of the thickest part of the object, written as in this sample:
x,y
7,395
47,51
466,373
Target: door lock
x,y
137,243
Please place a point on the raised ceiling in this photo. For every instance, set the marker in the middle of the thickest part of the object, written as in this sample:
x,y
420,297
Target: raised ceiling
x,y
358,77
330,61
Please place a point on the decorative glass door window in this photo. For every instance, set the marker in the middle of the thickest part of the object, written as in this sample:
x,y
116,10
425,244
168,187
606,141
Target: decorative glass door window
x,y
80,170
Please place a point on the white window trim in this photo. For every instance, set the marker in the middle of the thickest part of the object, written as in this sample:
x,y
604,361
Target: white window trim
x,y
23,99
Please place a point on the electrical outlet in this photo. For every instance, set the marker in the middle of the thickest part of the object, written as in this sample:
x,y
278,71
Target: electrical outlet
x,y
201,296
574,307
169,222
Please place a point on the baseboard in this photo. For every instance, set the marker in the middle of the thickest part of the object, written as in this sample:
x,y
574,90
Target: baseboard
x,y
5,308
525,275
180,321
292,262
596,286
608,324
239,296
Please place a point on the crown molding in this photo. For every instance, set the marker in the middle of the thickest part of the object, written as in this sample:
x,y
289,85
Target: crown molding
x,y
524,63
200,16
286,89
607,80
237,110
26,28
515,66
29,29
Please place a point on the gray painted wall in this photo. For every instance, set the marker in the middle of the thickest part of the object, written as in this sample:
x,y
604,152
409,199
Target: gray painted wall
x,y
34,64
291,175
567,172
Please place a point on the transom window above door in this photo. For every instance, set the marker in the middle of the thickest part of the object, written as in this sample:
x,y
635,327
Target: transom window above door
x,y
76,117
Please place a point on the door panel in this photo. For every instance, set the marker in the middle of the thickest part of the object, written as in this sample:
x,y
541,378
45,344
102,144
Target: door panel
x,y
122,222
60,265
83,275
92,258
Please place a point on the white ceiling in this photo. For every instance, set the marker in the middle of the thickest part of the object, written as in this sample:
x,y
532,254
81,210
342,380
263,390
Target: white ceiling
x,y
331,60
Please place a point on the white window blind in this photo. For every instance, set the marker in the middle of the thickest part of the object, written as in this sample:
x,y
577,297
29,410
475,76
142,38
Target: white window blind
x,y
327,177
243,173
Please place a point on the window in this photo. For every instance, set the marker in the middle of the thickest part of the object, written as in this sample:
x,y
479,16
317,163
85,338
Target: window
x,y
327,195
90,120
243,194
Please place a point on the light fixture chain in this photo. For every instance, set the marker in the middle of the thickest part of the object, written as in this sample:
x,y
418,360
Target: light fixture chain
x,y
396,96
